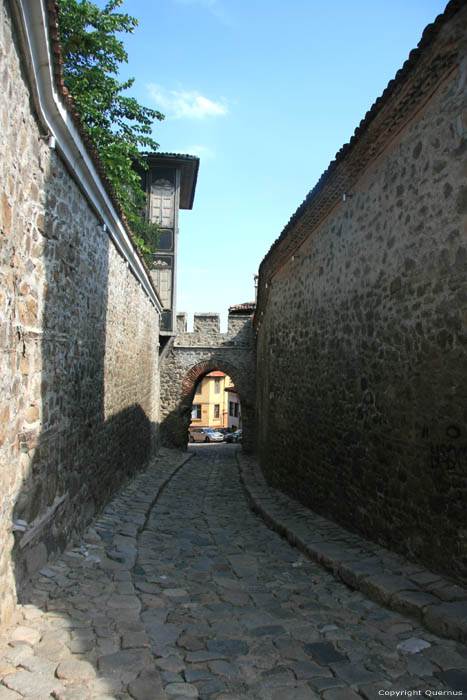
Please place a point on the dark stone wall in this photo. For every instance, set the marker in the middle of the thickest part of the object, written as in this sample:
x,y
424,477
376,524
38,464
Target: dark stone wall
x,y
79,366
361,350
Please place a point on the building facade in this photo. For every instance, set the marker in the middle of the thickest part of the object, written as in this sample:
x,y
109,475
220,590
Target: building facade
x,y
210,407
170,184
234,414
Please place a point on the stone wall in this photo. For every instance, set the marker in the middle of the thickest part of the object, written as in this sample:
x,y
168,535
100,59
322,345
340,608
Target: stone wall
x,y
79,347
193,355
362,338
207,330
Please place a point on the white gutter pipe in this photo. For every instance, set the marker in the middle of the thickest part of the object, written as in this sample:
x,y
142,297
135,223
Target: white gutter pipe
x,y
32,16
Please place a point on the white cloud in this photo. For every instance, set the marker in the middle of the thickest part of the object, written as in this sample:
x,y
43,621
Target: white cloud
x,y
185,104
213,6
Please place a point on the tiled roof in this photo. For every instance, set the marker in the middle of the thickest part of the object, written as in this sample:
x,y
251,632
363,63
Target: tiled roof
x,y
176,156
247,306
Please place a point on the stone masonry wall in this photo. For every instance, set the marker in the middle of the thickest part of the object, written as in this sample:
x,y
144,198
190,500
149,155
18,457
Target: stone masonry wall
x,y
206,330
79,347
192,356
362,347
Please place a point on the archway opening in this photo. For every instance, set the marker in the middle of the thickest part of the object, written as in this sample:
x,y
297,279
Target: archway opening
x,y
216,412
176,422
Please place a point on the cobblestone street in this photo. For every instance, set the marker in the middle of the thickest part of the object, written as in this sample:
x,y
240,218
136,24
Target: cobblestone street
x,y
180,591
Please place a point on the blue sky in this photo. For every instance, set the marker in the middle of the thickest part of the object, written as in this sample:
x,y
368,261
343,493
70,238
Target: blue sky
x,y
265,92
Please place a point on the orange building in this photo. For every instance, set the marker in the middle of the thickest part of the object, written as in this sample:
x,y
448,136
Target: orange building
x,y
210,407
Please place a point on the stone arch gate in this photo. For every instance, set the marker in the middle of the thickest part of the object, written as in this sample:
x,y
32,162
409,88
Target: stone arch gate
x,y
190,356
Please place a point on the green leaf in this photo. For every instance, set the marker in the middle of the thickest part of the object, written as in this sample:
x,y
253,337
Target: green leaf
x,y
117,124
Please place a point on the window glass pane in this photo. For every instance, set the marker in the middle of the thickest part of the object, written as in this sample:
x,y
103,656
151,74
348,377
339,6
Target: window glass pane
x,y
166,323
165,239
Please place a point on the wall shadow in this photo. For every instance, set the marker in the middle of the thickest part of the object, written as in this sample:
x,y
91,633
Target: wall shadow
x,y
80,436
127,446
82,433
79,391
81,612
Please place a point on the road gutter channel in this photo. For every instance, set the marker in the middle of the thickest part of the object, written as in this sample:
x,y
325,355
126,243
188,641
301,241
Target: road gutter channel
x,y
384,576
160,490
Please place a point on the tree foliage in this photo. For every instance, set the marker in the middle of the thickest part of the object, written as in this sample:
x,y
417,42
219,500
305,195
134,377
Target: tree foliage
x,y
117,124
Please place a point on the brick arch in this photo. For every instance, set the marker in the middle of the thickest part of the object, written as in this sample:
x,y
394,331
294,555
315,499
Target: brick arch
x,y
198,371
192,355
188,387
176,421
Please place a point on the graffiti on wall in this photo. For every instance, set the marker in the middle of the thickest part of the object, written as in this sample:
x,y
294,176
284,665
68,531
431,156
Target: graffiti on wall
x,y
448,454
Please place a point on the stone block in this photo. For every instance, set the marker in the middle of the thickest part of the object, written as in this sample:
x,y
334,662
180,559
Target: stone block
x,y
413,645
412,603
340,694
6,694
448,620
32,684
356,674
305,670
161,633
126,664
73,670
182,690
330,555
324,653
352,572
383,586
26,634
454,678
5,210
148,686
302,692
228,647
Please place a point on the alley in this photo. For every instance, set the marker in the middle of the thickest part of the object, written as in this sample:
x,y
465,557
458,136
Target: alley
x,y
180,591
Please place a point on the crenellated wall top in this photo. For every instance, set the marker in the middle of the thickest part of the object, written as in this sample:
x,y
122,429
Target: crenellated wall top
x,y
206,331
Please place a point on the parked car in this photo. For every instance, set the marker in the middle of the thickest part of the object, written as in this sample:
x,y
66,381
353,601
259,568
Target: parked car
x,y
234,437
204,435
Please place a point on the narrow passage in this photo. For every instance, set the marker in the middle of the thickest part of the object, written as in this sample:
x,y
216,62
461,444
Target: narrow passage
x,y
190,595
252,618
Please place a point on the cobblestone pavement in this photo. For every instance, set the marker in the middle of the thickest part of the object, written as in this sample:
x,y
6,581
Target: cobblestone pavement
x,y
179,591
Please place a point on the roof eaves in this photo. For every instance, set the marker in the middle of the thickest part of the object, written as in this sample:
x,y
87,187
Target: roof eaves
x,y
189,167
